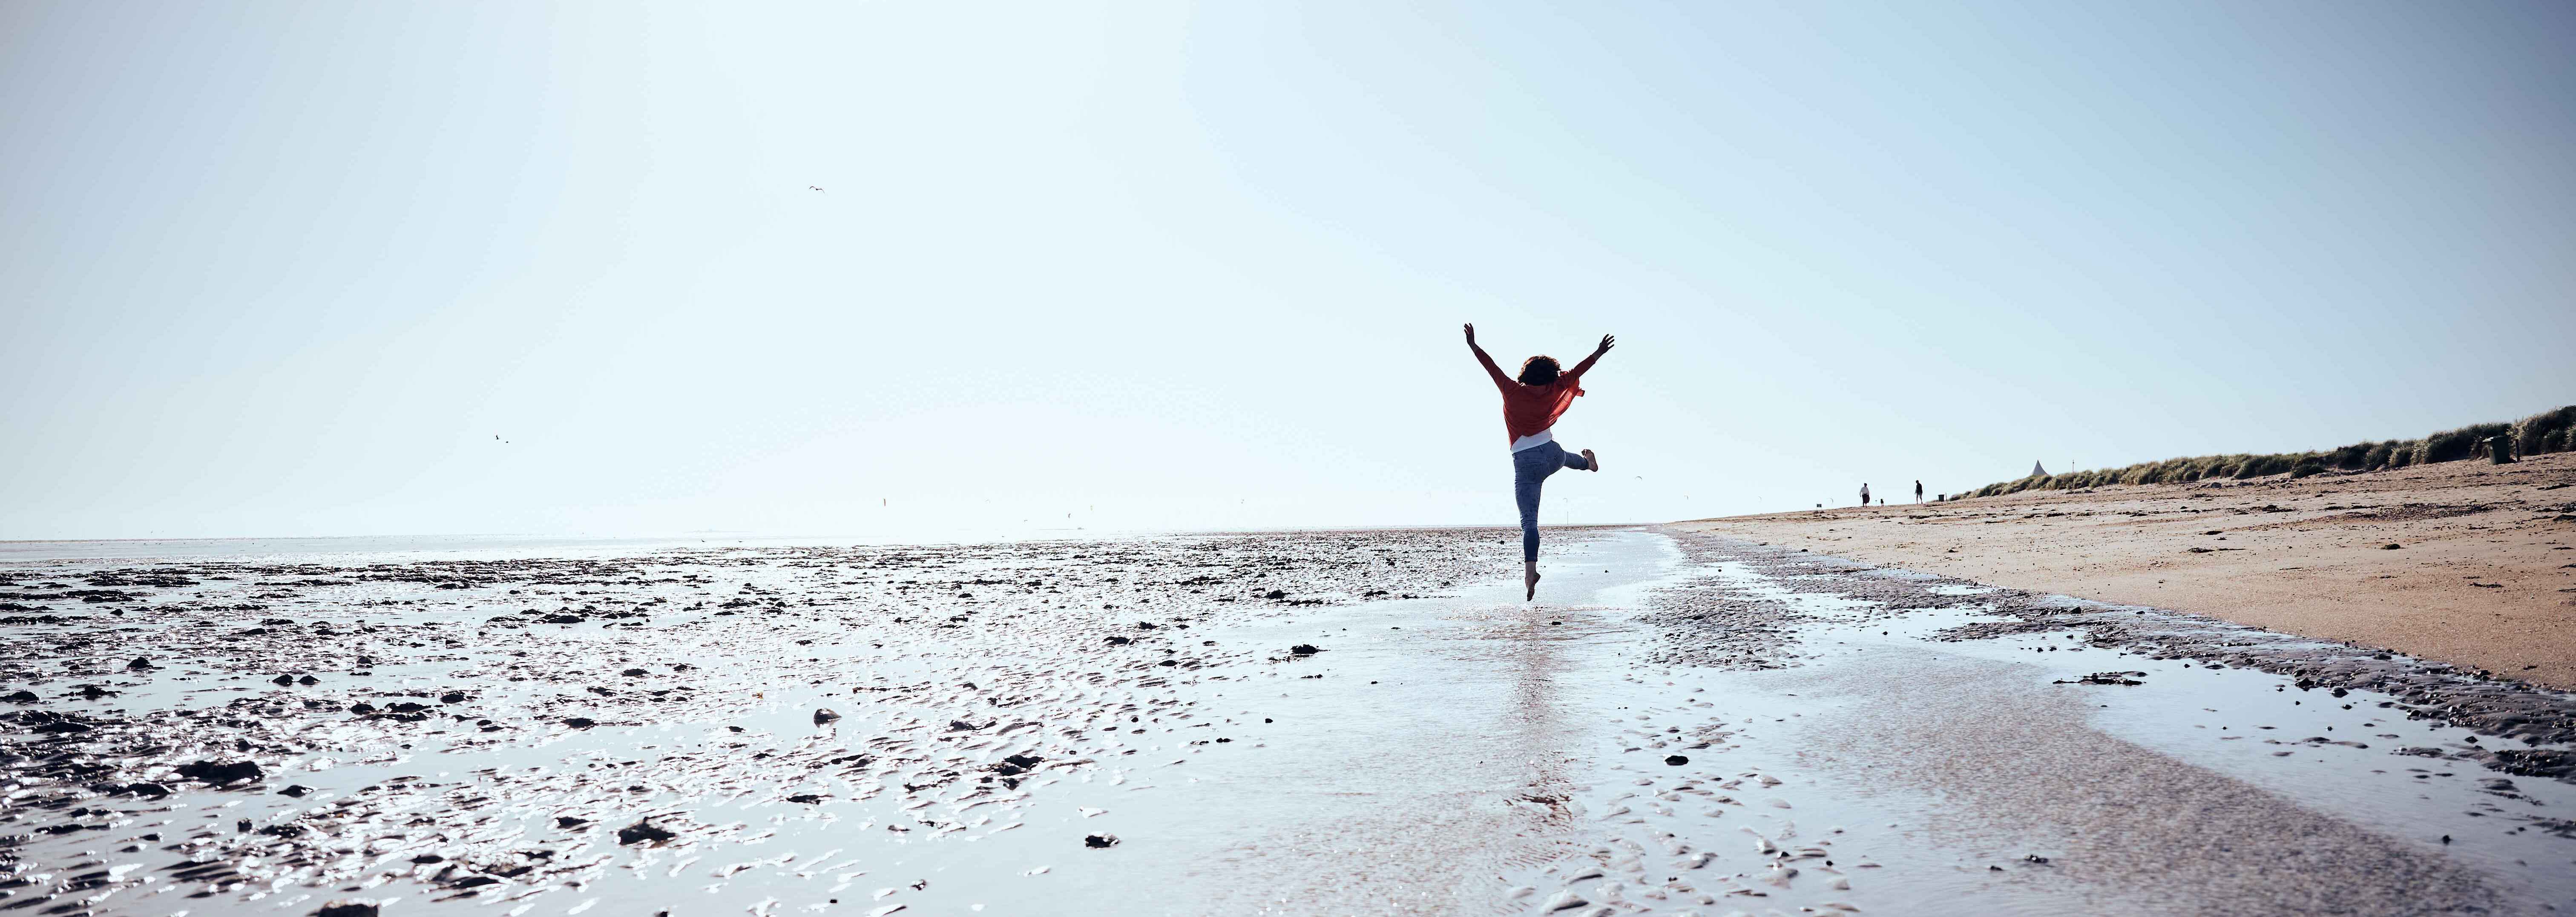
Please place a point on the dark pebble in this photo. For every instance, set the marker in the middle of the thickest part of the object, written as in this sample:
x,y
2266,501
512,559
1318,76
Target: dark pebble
x,y
1097,841
1676,760
212,772
642,832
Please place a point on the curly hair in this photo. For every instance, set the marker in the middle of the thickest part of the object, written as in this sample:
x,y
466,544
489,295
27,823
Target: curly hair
x,y
1539,370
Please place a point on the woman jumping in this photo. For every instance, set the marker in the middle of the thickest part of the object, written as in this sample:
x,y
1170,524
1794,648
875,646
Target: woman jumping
x,y
1531,406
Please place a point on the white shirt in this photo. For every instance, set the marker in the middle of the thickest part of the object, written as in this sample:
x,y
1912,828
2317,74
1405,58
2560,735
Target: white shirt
x,y
1540,438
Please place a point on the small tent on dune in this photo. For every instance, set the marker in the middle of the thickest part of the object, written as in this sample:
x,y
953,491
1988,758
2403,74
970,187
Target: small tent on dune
x,y
2036,471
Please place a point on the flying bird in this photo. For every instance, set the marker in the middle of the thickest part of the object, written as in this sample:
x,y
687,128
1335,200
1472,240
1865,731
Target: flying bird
x,y
815,188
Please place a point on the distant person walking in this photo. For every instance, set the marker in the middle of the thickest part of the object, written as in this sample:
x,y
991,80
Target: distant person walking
x,y
1864,493
1918,491
1531,405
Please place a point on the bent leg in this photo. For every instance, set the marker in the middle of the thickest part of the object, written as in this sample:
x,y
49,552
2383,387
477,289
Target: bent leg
x,y
1577,462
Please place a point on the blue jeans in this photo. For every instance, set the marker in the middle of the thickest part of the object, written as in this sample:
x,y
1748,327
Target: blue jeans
x,y
1530,468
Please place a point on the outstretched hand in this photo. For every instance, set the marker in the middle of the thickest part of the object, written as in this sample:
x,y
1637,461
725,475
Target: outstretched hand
x,y
1607,342
1471,334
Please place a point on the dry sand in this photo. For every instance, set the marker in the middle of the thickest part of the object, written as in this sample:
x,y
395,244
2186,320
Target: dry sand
x,y
2484,575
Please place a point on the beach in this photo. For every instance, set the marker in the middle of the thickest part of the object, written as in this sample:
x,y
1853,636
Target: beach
x,y
1322,722
2462,562
885,460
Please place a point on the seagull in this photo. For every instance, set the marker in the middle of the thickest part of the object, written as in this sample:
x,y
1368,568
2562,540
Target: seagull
x,y
815,188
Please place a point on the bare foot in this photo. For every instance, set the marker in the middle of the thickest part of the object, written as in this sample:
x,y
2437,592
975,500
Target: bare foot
x,y
1530,579
1591,461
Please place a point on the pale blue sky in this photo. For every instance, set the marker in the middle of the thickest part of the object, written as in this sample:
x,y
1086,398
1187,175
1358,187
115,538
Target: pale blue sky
x,y
287,269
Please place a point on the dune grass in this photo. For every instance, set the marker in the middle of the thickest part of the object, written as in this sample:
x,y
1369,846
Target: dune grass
x,y
2547,431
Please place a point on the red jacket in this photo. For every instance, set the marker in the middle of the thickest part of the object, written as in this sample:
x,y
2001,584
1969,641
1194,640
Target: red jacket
x,y
1528,409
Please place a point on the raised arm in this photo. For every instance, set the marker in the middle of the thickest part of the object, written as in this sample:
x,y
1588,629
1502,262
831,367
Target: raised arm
x,y
1490,368
1607,341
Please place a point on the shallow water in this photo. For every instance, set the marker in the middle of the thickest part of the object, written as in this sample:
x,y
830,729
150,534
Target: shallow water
x,y
1465,753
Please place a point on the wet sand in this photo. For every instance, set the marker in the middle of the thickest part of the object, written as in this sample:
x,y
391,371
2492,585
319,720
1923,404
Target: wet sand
x,y
2483,575
1285,723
